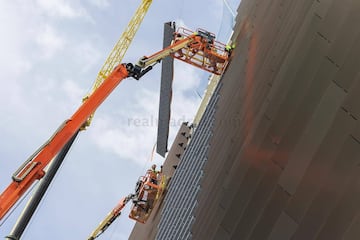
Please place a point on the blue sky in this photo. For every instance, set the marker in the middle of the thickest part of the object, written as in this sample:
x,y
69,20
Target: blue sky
x,y
51,52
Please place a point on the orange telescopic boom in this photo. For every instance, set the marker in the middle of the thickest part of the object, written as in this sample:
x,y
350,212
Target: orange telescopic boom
x,y
33,168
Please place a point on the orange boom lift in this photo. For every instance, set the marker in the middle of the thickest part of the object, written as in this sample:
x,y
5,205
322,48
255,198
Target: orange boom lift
x,y
196,48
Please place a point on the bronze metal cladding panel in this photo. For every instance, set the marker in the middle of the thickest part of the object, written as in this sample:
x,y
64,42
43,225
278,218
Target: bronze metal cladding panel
x,y
313,134
329,195
346,181
349,70
221,233
320,165
290,84
265,221
352,103
353,231
284,228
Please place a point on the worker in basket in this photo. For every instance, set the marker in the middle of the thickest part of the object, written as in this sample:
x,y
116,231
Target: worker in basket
x,y
229,48
153,174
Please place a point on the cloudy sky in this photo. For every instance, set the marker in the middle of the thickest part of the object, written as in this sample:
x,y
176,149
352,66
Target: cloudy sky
x,y
50,54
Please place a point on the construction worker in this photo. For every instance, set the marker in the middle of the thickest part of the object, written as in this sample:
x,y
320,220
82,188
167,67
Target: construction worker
x,y
153,174
229,48
178,37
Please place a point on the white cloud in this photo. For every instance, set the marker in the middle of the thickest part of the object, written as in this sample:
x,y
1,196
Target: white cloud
x,y
49,41
13,42
148,101
130,140
87,56
133,134
186,76
100,3
13,64
73,91
61,9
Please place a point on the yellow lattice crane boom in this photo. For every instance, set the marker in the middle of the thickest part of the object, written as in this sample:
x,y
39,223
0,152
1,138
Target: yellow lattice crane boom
x,y
117,54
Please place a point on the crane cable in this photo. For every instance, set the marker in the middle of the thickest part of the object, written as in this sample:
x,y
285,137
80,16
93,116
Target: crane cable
x,y
153,152
180,15
230,8
148,160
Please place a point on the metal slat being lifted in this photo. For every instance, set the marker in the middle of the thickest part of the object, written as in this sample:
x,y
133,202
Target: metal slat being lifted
x,y
167,74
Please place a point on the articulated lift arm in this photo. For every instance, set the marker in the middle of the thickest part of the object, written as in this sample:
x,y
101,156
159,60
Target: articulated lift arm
x,y
110,218
193,47
147,191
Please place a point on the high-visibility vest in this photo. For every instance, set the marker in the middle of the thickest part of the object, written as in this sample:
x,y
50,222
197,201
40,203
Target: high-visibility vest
x,y
152,173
